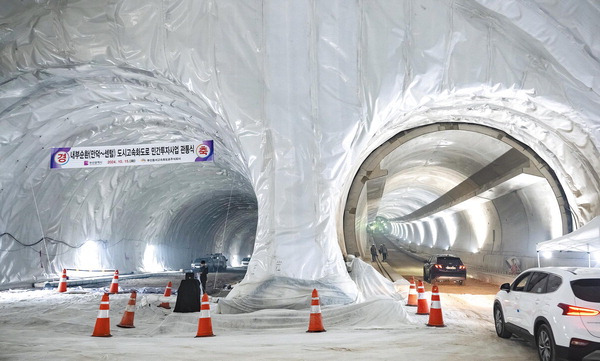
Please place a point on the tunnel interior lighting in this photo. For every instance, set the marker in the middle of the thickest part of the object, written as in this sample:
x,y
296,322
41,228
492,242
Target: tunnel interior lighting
x,y
150,262
235,261
420,232
547,254
479,223
451,227
434,230
89,255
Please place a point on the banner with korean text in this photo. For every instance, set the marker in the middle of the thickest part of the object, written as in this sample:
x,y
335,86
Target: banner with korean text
x,y
126,155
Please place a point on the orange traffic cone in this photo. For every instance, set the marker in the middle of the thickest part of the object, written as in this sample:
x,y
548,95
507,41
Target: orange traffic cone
x,y
435,317
62,284
114,285
422,307
167,294
204,322
412,293
316,321
102,328
127,320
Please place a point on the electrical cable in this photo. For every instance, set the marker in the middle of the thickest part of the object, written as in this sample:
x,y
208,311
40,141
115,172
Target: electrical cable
x,y
46,239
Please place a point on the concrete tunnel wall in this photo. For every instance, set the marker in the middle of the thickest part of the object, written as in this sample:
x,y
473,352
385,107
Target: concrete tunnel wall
x,y
513,228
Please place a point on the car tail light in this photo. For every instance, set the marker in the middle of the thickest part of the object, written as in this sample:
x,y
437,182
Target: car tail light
x,y
569,310
438,266
579,342
462,266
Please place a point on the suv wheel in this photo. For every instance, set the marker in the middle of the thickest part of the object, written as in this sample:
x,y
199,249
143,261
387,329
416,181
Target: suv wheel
x,y
545,343
499,323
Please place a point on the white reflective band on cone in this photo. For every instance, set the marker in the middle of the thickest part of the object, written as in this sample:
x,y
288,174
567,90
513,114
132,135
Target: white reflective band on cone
x,y
103,314
204,313
315,309
130,308
421,295
436,304
104,302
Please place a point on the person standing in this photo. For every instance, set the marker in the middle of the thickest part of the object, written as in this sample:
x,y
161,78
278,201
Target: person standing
x,y
383,251
203,275
373,252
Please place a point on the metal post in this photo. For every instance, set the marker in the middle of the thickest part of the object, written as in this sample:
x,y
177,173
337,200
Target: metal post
x,y
589,257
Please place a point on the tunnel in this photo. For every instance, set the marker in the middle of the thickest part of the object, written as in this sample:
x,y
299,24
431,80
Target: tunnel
x,y
458,188
466,126
164,216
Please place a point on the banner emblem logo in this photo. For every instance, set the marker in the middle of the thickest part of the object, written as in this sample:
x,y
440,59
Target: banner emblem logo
x,y
61,158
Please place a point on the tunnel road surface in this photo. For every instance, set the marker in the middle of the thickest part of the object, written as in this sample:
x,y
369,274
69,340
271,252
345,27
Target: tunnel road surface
x,y
408,267
468,306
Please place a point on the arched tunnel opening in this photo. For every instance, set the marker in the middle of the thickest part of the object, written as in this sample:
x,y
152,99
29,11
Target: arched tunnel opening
x,y
221,221
135,218
458,188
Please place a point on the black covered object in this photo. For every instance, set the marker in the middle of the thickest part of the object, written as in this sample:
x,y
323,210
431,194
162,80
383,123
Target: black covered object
x,y
188,296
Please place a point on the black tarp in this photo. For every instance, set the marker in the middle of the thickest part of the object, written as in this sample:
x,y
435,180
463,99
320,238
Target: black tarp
x,y
188,295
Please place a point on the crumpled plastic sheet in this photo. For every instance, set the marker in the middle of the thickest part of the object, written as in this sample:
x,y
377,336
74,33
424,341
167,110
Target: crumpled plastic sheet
x,y
375,312
285,292
290,293
371,284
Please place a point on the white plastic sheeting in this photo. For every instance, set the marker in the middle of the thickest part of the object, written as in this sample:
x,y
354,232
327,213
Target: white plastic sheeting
x,y
290,293
295,94
585,239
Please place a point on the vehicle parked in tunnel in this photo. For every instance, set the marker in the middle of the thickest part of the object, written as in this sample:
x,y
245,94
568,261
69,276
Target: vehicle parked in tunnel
x,y
557,308
245,261
214,262
444,267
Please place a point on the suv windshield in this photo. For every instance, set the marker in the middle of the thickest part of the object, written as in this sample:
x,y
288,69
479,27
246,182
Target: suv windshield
x,y
587,289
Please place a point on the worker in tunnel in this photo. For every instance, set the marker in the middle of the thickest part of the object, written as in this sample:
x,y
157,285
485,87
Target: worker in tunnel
x,y
383,250
203,275
373,252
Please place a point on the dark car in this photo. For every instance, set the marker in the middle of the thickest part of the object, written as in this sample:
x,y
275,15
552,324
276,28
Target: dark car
x,y
444,267
214,262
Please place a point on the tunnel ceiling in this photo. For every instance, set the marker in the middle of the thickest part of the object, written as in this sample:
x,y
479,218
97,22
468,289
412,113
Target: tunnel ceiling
x,y
425,168
441,170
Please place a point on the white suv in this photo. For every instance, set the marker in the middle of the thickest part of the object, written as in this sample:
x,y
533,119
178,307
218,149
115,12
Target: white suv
x,y
557,308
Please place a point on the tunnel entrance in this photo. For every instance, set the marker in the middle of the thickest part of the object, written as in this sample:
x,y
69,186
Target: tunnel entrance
x,y
458,187
222,220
